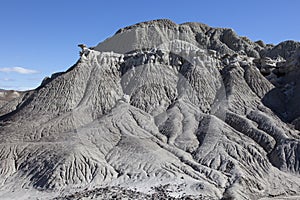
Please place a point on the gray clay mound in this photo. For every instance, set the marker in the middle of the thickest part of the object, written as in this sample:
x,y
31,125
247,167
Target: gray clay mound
x,y
158,111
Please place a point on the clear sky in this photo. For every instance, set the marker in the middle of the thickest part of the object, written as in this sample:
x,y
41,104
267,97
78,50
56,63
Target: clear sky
x,y
40,37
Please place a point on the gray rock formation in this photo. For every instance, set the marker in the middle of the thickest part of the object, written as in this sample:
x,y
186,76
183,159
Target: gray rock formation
x,y
160,110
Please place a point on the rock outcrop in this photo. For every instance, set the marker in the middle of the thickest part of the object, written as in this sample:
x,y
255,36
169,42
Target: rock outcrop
x,y
181,111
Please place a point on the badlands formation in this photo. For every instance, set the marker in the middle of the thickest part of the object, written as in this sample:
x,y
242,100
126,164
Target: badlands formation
x,y
159,111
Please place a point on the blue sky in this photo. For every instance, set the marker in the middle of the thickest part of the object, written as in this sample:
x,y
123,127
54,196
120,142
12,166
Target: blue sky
x,y
40,37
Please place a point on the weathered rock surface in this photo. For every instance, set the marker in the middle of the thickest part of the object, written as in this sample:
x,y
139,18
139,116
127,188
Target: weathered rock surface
x,y
182,111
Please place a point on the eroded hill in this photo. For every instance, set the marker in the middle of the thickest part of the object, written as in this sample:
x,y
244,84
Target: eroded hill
x,y
195,110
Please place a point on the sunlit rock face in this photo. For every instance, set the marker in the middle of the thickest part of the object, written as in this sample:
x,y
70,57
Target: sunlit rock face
x,y
159,109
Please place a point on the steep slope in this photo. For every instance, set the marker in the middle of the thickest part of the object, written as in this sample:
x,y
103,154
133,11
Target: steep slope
x,y
187,108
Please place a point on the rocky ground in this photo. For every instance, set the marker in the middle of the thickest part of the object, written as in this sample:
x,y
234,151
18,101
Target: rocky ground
x,y
160,192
